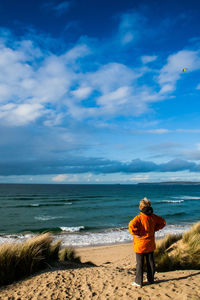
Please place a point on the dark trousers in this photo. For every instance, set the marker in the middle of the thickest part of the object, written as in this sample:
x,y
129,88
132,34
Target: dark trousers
x,y
140,267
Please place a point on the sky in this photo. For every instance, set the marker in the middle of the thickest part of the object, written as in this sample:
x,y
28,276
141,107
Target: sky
x,y
95,92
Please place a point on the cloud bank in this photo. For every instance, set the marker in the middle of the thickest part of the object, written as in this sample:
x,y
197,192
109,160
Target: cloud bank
x,y
75,165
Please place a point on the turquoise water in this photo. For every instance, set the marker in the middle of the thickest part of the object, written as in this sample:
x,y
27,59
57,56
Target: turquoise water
x,y
92,214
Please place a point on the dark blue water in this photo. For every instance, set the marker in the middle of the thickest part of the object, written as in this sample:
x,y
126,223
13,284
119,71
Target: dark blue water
x,y
92,212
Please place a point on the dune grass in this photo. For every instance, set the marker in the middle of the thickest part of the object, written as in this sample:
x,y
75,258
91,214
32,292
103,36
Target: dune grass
x,y
68,254
179,252
18,260
165,243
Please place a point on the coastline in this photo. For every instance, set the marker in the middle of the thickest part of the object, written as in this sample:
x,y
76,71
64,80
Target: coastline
x,y
81,239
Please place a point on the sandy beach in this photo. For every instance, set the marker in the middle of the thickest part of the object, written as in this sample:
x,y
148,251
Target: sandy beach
x,y
109,277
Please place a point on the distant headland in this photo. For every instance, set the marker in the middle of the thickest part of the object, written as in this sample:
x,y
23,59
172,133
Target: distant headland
x,y
172,182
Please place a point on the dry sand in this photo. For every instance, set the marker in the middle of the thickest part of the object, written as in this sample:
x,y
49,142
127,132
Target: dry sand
x,y
109,279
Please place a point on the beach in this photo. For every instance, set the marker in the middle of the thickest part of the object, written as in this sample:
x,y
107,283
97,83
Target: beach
x,y
94,220
109,277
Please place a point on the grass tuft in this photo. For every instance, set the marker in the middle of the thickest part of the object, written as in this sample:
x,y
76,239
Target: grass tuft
x,y
194,231
179,252
54,250
68,254
18,260
165,243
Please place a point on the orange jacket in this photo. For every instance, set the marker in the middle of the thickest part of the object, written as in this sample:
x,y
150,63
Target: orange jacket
x,y
143,227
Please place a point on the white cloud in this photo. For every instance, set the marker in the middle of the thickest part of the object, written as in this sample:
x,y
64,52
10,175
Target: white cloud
x,y
164,131
28,47
29,85
76,52
117,97
166,88
53,118
52,81
188,130
130,27
119,93
82,92
113,92
111,76
127,38
4,91
140,178
159,131
60,178
21,114
172,71
148,58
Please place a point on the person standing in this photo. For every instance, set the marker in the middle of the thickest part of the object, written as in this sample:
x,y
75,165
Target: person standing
x,y
143,228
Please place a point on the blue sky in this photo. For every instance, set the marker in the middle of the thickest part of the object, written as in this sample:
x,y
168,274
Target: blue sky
x,y
94,92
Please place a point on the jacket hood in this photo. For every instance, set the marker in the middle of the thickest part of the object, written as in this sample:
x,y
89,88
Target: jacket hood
x,y
147,210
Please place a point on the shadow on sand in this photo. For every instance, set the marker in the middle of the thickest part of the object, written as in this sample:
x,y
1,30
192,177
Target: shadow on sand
x,y
173,279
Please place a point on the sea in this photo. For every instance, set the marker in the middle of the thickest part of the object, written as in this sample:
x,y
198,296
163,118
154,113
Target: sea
x,y
90,215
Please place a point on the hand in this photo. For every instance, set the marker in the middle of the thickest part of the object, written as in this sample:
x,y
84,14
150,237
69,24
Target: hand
x,y
137,236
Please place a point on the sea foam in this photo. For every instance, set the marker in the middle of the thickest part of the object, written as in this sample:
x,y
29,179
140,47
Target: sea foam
x,y
187,197
46,218
173,201
114,236
71,236
72,229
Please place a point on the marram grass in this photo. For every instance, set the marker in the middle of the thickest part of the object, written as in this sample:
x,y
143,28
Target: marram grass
x,y
185,254
68,254
18,260
166,242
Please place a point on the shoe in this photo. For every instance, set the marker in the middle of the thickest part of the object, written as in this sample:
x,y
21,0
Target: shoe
x,y
135,284
151,282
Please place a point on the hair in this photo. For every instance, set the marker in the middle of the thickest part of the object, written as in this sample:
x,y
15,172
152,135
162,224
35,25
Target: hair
x,y
144,203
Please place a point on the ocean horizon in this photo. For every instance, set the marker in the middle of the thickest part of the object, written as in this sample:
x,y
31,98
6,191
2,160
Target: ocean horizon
x,y
92,214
